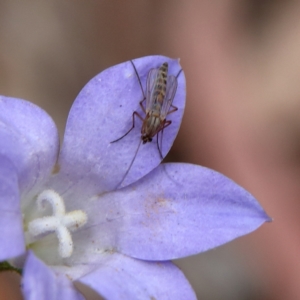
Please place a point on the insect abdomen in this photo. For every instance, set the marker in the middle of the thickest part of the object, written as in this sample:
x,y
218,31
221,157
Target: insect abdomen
x,y
161,83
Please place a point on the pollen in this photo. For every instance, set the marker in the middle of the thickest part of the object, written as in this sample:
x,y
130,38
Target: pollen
x,y
61,223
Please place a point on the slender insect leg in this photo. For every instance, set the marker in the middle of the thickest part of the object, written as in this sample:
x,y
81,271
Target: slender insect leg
x,y
178,73
166,124
157,143
131,163
133,124
138,77
142,106
174,108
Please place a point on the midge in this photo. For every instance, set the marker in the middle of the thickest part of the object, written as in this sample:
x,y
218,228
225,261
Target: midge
x,y
160,91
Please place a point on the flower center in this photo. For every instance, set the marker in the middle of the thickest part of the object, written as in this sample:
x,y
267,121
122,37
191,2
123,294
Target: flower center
x,y
60,222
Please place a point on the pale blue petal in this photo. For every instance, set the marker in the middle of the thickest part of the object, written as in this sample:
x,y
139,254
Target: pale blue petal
x,y
175,211
29,139
11,226
101,113
120,277
40,282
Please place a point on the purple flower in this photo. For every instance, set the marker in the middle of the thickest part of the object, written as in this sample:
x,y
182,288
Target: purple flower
x,y
103,213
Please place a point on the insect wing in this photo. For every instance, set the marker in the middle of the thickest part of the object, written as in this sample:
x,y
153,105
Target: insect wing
x,y
170,94
150,89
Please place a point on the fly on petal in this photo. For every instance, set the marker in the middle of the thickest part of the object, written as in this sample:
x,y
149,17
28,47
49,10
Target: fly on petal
x,y
160,91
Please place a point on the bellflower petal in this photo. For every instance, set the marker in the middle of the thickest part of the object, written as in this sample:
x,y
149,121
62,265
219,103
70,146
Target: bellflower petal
x,y
10,212
144,280
153,218
101,113
40,282
29,139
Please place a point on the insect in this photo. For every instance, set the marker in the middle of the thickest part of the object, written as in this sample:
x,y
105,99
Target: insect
x,y
160,91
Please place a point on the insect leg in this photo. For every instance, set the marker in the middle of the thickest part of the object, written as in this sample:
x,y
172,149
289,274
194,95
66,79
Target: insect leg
x,y
157,143
131,163
135,113
166,124
178,73
138,77
142,106
174,108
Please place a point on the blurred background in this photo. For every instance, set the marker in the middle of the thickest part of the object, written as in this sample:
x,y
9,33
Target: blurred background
x,y
242,63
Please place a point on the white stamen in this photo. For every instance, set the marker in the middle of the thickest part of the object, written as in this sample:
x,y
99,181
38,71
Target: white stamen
x,y
60,222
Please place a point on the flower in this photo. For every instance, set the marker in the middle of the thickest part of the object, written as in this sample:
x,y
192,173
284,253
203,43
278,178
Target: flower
x,y
109,215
